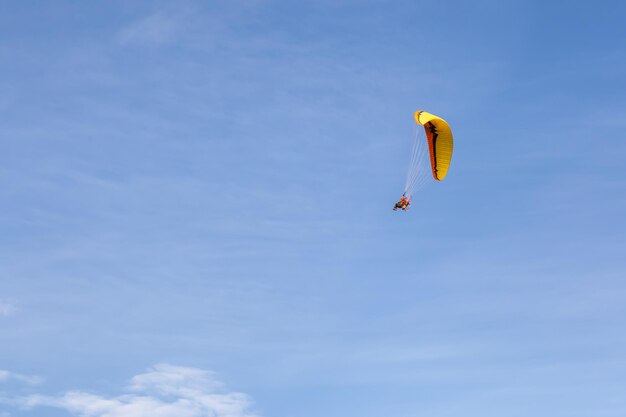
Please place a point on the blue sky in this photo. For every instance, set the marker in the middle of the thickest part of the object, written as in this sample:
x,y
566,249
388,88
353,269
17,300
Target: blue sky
x,y
196,209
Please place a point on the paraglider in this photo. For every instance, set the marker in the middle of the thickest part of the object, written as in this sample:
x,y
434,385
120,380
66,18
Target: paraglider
x,y
434,150
403,204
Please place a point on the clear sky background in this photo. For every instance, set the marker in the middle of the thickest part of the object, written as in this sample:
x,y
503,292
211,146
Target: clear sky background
x,y
195,209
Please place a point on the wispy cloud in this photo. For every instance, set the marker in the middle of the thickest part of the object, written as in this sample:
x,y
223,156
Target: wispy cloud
x,y
158,28
163,391
6,376
7,308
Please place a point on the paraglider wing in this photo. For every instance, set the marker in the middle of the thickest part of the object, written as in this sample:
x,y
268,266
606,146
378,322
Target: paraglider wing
x,y
440,144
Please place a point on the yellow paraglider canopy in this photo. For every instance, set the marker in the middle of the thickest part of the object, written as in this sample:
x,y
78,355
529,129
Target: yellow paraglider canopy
x,y
440,142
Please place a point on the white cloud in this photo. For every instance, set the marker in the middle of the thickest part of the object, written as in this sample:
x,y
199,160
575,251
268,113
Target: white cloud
x,y
163,391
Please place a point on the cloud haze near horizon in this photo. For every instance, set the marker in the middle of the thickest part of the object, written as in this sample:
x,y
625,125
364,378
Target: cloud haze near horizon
x,y
162,391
